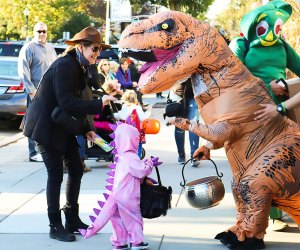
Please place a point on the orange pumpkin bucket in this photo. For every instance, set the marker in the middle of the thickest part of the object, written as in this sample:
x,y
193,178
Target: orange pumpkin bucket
x,y
151,126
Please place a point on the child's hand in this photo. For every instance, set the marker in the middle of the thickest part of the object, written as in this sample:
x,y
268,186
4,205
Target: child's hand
x,y
148,182
155,161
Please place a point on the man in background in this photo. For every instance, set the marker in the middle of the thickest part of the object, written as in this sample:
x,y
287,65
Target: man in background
x,y
34,59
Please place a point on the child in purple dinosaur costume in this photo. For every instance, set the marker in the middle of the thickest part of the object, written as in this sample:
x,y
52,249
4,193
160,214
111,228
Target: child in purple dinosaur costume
x,y
122,206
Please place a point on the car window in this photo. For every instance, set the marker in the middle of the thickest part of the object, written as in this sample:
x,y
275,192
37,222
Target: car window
x,y
10,49
8,68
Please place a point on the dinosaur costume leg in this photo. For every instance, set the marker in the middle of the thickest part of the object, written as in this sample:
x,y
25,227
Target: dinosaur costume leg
x,y
273,179
120,234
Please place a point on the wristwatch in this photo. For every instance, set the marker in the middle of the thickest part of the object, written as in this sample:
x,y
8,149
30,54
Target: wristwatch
x,y
281,108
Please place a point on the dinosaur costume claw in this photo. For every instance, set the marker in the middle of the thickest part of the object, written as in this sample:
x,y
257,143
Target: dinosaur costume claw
x,y
265,161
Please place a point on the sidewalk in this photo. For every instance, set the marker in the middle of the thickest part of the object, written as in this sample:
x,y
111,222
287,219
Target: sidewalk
x,y
24,223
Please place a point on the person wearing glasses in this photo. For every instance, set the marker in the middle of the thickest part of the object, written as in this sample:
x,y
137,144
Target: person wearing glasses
x,y
34,59
61,87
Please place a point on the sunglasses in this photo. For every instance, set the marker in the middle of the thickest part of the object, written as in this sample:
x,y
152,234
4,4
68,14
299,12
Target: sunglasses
x,y
96,49
41,31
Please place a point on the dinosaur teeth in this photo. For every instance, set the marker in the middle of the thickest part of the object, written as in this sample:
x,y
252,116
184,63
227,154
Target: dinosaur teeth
x,y
96,211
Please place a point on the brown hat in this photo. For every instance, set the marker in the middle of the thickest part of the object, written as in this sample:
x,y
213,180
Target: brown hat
x,y
88,34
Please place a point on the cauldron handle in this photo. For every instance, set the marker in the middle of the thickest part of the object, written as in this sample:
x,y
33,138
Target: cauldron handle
x,y
220,175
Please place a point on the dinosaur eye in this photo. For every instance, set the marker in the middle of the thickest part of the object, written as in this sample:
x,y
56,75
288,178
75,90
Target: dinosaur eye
x,y
164,26
262,28
277,26
167,25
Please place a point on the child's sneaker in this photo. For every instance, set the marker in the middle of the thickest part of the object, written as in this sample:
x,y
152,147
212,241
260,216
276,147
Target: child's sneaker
x,y
124,247
143,245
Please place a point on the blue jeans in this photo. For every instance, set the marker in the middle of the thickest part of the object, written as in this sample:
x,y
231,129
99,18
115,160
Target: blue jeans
x,y
191,114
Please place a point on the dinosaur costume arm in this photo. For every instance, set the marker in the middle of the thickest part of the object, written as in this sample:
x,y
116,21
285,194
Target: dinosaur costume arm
x,y
217,133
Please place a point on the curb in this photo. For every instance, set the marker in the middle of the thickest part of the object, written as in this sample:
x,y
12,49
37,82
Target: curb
x,y
11,139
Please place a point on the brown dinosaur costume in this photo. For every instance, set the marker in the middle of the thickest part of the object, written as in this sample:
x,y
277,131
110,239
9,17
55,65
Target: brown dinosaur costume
x,y
265,161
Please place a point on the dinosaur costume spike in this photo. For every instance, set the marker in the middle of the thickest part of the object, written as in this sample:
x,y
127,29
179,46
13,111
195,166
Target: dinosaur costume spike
x,y
112,144
176,47
112,166
113,126
111,173
92,218
109,187
110,180
112,135
101,203
96,211
105,196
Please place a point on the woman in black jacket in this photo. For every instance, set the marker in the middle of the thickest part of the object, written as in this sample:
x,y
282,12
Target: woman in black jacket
x,y
62,86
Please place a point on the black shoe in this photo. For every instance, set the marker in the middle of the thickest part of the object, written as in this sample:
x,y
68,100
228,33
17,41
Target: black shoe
x,y
73,222
181,159
124,247
143,245
58,232
253,244
229,239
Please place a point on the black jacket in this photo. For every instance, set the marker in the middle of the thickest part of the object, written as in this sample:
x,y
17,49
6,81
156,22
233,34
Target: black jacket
x,y
62,86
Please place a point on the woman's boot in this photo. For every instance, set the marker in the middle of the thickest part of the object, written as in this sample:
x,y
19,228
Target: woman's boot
x,y
57,230
73,222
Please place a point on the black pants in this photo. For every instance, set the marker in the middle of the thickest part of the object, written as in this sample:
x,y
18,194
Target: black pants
x,y
54,162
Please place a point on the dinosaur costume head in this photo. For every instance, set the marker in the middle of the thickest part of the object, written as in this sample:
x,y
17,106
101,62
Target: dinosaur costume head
x,y
263,24
168,42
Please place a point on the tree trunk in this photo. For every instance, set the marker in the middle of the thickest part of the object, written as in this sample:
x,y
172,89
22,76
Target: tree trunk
x,y
175,5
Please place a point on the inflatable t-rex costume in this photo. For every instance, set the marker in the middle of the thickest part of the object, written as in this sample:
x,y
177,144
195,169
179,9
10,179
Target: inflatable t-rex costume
x,y
264,160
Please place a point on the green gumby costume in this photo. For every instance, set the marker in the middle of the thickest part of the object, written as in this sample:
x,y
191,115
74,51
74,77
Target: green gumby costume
x,y
267,56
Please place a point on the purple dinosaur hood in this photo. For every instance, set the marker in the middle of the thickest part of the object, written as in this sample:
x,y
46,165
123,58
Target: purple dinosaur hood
x,y
126,139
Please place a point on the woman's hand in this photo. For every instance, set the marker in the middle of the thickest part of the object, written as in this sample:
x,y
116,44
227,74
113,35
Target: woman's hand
x,y
91,135
266,114
107,98
277,89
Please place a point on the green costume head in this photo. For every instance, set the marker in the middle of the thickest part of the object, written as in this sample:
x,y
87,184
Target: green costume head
x,y
263,24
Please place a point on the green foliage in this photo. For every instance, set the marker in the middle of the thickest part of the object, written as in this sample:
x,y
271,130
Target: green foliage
x,y
196,8
59,15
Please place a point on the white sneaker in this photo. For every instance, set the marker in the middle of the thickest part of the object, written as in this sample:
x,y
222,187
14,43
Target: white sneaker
x,y
36,158
278,225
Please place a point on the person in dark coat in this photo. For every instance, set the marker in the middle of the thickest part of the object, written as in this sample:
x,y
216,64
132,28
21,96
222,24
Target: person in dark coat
x,y
61,86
